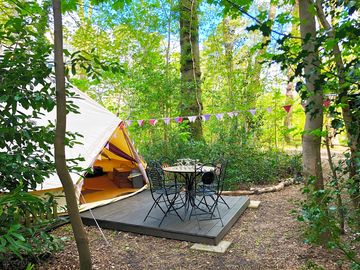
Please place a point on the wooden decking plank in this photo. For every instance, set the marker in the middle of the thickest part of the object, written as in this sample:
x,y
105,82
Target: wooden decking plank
x,y
128,215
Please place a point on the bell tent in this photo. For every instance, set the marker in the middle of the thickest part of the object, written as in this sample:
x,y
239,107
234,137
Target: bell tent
x,y
104,146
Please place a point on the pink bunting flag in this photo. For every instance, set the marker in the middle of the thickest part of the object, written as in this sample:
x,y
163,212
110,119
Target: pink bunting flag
x,y
140,122
129,122
107,146
253,111
230,114
166,121
152,122
269,110
219,116
178,119
206,117
287,108
326,103
192,119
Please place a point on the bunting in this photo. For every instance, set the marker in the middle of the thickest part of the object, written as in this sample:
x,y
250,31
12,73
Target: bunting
x,y
206,117
219,116
192,118
140,122
152,122
166,121
326,103
287,108
178,119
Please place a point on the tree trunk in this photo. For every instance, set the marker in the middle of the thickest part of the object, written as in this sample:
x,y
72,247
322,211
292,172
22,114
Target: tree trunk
x,y
190,65
352,123
314,110
60,159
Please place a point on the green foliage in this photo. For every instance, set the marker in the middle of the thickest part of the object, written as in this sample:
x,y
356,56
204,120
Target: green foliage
x,y
320,215
246,164
26,243
25,94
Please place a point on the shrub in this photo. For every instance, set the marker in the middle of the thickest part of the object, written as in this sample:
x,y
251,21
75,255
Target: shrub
x,y
21,242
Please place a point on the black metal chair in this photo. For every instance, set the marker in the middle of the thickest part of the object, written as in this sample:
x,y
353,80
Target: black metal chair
x,y
163,192
208,192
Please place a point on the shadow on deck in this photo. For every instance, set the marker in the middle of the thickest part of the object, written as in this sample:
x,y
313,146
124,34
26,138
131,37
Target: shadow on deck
x,y
128,215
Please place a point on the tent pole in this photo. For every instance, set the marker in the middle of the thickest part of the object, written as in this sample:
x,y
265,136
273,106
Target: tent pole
x,y
136,156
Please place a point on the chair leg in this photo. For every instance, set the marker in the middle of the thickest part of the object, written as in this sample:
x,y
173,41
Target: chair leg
x,y
156,203
171,207
223,201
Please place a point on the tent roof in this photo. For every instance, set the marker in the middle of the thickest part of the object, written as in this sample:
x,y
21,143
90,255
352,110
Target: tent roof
x,y
95,123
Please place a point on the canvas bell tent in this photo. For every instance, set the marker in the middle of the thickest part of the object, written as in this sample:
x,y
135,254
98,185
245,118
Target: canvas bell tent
x,y
105,148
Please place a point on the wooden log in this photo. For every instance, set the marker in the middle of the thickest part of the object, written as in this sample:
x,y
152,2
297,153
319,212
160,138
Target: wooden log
x,y
237,192
259,190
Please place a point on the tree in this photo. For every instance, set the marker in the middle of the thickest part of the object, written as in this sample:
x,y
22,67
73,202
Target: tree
x,y
190,65
350,116
311,141
60,159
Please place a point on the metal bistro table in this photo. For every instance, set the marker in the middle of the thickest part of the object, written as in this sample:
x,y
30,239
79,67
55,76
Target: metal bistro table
x,y
189,173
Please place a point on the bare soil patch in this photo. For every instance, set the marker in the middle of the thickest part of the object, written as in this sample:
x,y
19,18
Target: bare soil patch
x,y
265,238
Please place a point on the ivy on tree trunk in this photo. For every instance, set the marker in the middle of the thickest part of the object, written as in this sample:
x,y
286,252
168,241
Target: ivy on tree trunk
x,y
190,65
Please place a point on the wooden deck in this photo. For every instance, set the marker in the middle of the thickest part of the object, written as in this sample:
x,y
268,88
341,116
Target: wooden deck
x,y
128,215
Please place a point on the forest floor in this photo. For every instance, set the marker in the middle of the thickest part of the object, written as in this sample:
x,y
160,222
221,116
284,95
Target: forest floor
x,y
265,238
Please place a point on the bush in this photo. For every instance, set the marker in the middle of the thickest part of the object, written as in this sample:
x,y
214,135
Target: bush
x,y
246,164
21,242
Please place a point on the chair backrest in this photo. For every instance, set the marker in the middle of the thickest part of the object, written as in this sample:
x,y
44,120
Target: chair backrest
x,y
155,175
220,171
208,178
203,176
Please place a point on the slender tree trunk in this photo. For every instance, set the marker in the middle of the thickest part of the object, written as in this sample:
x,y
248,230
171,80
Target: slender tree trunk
x,y
60,159
190,65
352,123
314,110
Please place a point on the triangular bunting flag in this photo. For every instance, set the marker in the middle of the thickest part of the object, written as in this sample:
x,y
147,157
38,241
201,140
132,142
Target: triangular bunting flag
x,y
269,110
152,122
206,117
253,111
326,103
178,119
107,146
219,116
287,108
166,121
236,114
140,122
129,122
192,118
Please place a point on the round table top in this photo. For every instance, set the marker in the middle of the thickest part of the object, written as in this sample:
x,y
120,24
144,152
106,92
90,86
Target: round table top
x,y
187,169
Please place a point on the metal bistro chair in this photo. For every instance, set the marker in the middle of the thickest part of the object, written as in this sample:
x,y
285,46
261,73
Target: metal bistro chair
x,y
209,191
164,193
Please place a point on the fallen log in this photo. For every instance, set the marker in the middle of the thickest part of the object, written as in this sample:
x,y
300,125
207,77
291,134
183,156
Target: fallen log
x,y
237,192
259,190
